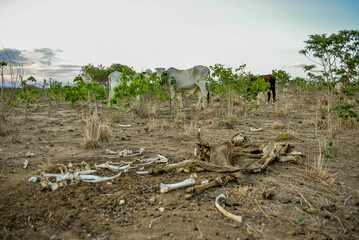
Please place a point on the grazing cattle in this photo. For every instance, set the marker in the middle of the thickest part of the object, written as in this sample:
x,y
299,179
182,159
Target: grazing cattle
x,y
271,80
114,80
187,80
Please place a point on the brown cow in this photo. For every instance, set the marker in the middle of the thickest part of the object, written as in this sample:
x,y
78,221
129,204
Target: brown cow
x,y
268,78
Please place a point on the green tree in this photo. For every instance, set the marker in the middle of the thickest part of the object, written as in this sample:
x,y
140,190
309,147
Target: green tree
x,y
335,58
283,78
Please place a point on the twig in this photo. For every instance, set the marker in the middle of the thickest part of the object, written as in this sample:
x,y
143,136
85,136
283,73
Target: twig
x,y
200,231
345,202
253,229
262,210
311,207
153,220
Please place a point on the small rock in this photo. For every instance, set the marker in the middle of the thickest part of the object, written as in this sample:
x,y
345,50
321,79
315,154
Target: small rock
x,y
161,209
122,202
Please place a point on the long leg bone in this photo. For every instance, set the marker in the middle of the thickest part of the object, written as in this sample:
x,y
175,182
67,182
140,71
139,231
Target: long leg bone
x,y
188,182
220,181
225,212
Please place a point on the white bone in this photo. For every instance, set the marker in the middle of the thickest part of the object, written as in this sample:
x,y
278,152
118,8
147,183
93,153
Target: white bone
x,y
110,152
225,212
142,172
112,167
33,179
239,138
186,183
120,125
128,153
26,163
255,129
29,154
85,178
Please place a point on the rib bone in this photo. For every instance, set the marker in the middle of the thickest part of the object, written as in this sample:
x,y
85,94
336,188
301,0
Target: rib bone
x,y
225,212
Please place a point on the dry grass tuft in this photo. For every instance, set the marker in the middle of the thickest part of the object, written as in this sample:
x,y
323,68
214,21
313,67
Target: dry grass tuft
x,y
277,125
193,107
284,136
234,119
151,126
105,131
48,167
165,125
281,111
308,100
317,172
92,131
244,192
190,128
351,123
217,98
180,118
309,122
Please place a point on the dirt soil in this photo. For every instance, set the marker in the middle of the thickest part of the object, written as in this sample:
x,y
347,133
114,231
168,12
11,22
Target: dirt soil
x,y
287,201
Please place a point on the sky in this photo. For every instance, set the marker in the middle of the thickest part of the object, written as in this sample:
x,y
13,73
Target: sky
x,y
54,38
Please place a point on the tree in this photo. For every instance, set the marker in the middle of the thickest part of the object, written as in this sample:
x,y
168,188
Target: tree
x,y
13,70
335,58
229,82
283,78
2,65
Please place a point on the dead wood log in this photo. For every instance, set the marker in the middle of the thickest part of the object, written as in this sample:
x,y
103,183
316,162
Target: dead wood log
x,y
193,164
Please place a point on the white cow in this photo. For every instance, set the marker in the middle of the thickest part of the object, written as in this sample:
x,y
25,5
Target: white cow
x,y
187,80
115,79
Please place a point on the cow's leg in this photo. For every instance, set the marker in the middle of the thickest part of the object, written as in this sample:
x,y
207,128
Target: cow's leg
x,y
203,94
199,100
269,95
179,96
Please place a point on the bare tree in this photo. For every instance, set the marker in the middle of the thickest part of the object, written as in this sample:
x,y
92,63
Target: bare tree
x,y
11,74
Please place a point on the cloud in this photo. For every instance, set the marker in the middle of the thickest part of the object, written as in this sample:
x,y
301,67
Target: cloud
x,y
41,63
296,65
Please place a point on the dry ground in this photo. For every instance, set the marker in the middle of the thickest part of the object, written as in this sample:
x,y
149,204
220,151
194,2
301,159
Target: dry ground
x,y
304,204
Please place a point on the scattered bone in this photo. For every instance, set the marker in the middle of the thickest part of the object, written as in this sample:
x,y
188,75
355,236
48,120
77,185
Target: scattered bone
x,y
142,172
153,220
26,163
225,212
33,179
122,202
128,153
188,182
220,181
29,154
110,152
255,129
125,126
238,139
107,165
204,182
54,186
85,178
